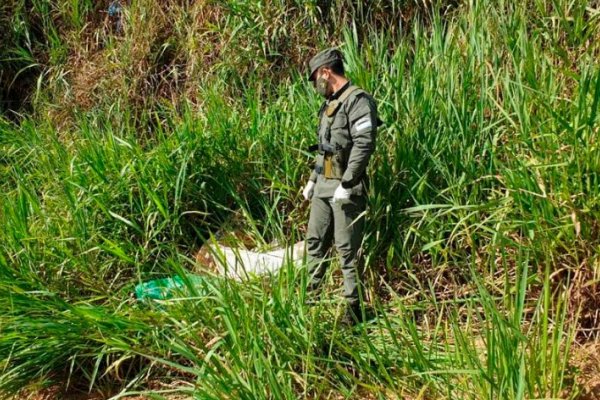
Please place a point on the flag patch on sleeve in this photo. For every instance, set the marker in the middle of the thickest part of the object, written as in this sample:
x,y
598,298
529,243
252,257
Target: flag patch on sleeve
x,y
363,123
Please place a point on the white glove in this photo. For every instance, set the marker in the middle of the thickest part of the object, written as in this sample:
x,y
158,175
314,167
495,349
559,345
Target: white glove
x,y
308,190
341,195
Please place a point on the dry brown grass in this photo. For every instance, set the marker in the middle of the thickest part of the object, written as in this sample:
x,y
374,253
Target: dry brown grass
x,y
586,358
168,49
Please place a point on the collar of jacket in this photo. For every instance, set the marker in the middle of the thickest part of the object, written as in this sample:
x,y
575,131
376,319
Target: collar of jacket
x,y
339,91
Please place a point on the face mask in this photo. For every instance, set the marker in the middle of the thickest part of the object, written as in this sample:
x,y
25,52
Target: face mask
x,y
322,86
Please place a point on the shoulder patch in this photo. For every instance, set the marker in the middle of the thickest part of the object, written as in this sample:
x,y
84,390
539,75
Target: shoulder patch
x,y
363,123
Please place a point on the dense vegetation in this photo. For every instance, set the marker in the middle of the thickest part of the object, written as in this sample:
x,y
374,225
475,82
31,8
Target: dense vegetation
x,y
130,139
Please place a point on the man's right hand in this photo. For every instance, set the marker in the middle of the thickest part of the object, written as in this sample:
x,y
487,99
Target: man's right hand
x,y
308,190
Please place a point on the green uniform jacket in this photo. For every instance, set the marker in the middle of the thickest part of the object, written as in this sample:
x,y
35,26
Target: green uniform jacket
x,y
353,129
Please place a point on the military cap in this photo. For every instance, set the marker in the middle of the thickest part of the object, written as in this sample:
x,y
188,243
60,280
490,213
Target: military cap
x,y
324,57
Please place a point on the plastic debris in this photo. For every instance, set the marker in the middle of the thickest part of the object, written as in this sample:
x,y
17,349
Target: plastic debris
x,y
241,264
115,12
168,288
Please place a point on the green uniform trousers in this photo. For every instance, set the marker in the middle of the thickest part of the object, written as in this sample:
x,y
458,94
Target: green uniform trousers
x,y
343,223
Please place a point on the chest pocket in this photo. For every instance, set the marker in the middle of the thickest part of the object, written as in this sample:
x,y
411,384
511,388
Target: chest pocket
x,y
340,131
323,130
341,141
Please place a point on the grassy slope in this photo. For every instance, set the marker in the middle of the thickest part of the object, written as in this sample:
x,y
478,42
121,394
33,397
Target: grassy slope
x,y
482,235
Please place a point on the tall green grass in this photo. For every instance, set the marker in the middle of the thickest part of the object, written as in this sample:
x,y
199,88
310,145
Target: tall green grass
x,y
482,211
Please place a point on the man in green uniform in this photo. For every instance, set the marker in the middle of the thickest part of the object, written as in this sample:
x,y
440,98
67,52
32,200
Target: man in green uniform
x,y
337,188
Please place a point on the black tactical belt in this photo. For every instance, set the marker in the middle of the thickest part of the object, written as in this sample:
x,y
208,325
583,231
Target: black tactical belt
x,y
322,147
